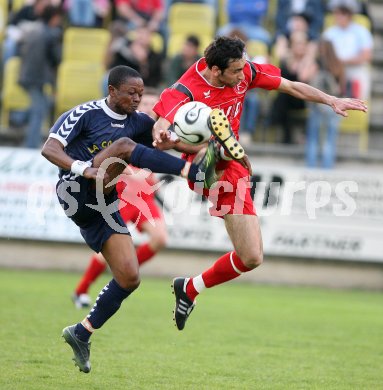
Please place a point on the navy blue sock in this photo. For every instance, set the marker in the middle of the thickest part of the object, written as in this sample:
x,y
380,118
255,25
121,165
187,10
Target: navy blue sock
x,y
81,332
107,303
160,162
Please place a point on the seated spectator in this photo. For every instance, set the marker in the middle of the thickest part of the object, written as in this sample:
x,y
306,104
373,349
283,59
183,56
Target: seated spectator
x,y
292,16
87,13
247,16
138,54
353,45
296,67
322,122
312,10
40,54
140,13
181,62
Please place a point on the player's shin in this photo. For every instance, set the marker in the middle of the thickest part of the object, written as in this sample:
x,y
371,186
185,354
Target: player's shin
x,y
107,303
226,268
160,162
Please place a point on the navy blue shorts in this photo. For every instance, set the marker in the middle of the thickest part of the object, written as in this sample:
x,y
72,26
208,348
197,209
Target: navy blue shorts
x,y
96,226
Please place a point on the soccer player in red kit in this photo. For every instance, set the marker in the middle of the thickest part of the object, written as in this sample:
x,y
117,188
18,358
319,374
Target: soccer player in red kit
x,y
221,79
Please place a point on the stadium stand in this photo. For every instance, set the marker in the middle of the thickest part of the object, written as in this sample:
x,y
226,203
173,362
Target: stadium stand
x,y
189,18
256,48
14,96
16,5
192,18
87,44
3,17
77,82
357,123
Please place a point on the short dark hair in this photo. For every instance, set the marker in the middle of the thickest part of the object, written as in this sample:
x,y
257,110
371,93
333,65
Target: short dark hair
x,y
224,50
193,40
120,74
50,12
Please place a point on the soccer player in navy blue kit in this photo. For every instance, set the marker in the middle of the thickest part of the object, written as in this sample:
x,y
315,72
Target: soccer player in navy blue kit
x,y
80,143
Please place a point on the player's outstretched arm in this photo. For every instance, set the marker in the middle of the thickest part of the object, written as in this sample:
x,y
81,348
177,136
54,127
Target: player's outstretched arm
x,y
307,92
53,151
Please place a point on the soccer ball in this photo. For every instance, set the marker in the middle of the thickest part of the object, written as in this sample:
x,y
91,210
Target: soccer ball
x,y
191,123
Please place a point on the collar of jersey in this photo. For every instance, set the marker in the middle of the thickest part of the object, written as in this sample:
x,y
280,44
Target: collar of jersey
x,y
202,63
111,113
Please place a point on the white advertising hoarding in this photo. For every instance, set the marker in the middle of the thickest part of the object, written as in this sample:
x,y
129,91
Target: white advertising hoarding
x,y
311,213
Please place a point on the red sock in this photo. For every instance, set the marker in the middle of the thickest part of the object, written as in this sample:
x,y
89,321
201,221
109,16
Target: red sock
x,y
94,270
144,253
226,268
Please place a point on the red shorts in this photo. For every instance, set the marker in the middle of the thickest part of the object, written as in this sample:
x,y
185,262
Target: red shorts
x,y
131,213
231,194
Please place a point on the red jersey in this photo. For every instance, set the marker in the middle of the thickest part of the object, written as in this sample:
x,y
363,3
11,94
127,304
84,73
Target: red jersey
x,y
193,86
144,6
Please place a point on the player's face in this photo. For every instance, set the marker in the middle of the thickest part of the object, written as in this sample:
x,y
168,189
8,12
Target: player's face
x,y
126,98
233,74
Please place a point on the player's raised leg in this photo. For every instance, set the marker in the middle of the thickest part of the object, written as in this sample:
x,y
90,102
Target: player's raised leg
x,y
245,235
124,149
221,129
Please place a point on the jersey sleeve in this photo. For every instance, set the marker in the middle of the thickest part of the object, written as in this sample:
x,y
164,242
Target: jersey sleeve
x,y
68,126
170,101
267,77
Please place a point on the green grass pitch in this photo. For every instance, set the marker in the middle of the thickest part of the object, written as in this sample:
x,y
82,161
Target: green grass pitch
x,y
240,336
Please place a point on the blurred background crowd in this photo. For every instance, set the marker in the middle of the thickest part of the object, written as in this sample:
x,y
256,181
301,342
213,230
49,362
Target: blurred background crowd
x,y
56,54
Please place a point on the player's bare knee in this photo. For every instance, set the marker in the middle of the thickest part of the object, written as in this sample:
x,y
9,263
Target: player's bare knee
x,y
124,147
130,281
127,277
253,259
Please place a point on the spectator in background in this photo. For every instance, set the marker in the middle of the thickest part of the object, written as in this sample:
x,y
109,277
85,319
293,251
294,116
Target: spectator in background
x,y
140,13
87,13
137,53
353,45
40,54
323,123
247,16
181,62
298,15
13,32
295,67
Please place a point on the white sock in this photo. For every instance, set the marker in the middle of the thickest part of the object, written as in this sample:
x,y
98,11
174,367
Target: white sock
x,y
198,283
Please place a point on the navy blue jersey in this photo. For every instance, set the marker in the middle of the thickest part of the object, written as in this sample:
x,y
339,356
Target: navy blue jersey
x,y
90,127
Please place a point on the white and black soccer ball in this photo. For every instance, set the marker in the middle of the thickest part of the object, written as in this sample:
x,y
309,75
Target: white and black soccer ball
x,y
191,123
